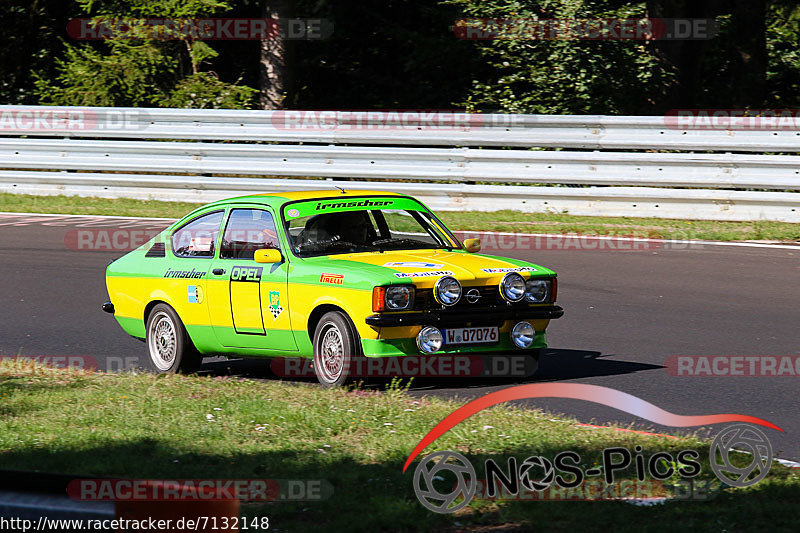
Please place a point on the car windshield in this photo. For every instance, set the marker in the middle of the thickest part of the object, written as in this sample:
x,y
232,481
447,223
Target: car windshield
x,y
363,225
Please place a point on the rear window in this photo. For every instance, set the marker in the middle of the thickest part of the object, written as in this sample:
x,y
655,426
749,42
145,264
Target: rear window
x,y
198,237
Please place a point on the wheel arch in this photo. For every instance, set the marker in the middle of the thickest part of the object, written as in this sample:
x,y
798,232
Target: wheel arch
x,y
149,309
320,311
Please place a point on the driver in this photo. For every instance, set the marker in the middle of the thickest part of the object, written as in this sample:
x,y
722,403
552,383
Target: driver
x,y
353,227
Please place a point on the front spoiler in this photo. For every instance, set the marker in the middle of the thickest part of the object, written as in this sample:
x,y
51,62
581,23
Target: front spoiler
x,y
459,318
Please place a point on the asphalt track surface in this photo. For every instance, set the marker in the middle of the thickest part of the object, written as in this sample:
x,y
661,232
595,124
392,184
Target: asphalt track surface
x,y
626,313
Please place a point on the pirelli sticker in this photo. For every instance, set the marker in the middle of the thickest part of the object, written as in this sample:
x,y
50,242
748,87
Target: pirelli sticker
x,y
335,279
246,274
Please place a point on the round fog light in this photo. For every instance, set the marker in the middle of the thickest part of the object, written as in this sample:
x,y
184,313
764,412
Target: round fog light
x,y
429,339
522,334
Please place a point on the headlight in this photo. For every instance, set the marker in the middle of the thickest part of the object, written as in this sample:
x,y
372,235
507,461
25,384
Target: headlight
x,y
393,298
399,297
447,291
512,287
429,339
537,290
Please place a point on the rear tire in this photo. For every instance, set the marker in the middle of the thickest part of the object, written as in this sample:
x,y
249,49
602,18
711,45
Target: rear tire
x,y
169,347
335,344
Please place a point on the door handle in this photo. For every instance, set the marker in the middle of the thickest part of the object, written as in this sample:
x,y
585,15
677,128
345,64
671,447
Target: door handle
x,y
218,271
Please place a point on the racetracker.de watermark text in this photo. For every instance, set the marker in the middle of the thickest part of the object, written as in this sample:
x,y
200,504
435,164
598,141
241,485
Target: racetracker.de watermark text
x,y
207,29
610,29
153,490
733,365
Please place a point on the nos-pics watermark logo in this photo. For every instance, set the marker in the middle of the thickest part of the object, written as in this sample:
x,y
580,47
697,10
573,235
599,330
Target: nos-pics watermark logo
x,y
446,481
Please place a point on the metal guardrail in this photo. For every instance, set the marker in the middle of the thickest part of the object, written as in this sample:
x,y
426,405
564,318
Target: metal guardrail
x,y
593,132
451,161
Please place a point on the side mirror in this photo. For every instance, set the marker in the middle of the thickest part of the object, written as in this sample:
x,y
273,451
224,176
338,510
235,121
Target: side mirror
x,y
472,245
269,255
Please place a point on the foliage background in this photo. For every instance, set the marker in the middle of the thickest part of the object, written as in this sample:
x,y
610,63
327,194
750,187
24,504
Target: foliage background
x,y
404,54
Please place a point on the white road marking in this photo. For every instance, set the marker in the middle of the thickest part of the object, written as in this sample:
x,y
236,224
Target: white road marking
x,y
787,463
62,215
82,221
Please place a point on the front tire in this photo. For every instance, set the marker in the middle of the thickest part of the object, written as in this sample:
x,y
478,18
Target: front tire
x,y
335,344
168,345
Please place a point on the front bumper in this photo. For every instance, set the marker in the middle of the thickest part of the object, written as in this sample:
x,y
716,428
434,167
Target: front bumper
x,y
403,346
460,318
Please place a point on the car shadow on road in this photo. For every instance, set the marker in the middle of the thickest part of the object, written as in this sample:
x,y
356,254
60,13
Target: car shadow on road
x,y
554,365
559,364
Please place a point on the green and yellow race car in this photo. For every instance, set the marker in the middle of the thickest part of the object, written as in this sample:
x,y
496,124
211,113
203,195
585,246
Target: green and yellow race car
x,y
328,275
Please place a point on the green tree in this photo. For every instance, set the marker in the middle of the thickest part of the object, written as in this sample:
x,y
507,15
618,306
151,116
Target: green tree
x,y
559,76
753,60
783,50
142,71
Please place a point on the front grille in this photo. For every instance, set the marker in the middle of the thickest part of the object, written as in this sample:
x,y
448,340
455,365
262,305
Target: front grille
x,y
489,295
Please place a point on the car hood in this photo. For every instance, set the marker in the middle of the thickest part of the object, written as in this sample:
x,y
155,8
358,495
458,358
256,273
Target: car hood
x,y
424,267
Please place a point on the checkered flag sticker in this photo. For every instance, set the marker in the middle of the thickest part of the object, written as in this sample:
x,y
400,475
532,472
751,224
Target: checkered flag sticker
x,y
275,304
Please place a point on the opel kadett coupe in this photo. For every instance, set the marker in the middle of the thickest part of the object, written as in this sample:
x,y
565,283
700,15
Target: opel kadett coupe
x,y
328,275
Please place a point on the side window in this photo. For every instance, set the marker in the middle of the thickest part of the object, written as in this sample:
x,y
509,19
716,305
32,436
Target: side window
x,y
198,237
248,230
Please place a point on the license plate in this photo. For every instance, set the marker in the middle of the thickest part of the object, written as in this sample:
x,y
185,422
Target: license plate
x,y
470,335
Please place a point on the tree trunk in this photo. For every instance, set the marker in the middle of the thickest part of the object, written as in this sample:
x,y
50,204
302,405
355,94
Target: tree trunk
x,y
273,73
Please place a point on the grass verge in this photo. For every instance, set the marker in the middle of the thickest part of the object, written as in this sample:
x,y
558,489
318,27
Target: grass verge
x,y
143,426
512,221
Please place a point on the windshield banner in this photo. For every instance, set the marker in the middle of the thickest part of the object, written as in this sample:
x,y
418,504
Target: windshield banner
x,y
333,205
